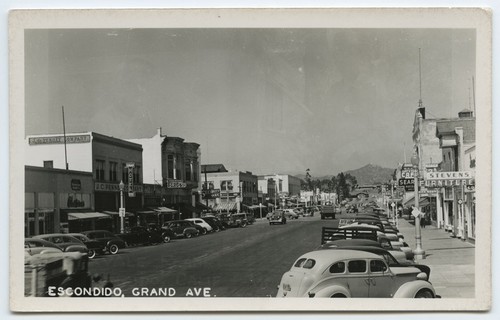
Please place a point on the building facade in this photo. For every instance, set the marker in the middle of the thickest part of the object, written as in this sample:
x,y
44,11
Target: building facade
x,y
171,175
233,190
110,161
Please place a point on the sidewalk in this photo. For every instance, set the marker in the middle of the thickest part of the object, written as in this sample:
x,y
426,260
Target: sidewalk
x,y
451,260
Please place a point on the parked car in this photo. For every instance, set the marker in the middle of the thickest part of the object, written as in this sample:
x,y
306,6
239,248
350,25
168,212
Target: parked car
x,y
278,217
237,220
179,229
300,211
39,246
66,242
111,242
141,236
214,222
95,247
205,227
290,214
352,273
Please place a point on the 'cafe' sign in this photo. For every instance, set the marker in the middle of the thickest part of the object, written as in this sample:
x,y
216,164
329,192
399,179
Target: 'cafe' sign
x,y
448,179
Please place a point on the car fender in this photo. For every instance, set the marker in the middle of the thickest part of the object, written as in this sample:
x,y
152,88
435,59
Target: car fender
x,y
329,291
410,289
76,248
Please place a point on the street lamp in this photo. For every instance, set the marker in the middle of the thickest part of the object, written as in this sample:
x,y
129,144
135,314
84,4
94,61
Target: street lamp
x,y
122,208
419,251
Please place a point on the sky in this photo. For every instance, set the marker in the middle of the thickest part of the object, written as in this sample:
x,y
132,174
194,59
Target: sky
x,y
260,100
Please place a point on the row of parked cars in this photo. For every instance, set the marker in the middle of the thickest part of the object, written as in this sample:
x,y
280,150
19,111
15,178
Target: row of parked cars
x,y
96,242
365,256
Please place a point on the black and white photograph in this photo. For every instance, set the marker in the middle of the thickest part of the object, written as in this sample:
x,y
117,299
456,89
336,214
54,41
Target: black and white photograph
x,y
250,160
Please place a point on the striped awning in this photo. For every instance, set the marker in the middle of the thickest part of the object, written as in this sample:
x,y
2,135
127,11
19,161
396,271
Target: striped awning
x,y
87,215
225,206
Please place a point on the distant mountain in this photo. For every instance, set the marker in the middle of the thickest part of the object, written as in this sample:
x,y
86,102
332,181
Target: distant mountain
x,y
371,174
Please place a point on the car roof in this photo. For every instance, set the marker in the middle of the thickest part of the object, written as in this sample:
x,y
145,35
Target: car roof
x,y
340,254
47,235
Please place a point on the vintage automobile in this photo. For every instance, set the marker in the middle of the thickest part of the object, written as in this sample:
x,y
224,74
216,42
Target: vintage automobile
x,y
66,242
39,246
110,242
327,212
141,236
179,229
290,214
238,220
214,222
278,217
95,247
397,254
352,274
205,227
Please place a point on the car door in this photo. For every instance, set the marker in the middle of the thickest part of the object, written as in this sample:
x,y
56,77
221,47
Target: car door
x,y
381,280
358,278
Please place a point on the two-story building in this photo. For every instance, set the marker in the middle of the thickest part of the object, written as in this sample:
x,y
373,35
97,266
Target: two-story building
x,y
110,160
171,170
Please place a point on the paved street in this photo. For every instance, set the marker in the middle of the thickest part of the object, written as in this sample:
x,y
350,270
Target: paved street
x,y
242,262
249,262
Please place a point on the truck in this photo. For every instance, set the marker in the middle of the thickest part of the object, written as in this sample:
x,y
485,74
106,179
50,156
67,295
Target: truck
x,y
332,234
327,212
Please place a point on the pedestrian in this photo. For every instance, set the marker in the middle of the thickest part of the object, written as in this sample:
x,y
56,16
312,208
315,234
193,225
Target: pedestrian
x,y
422,221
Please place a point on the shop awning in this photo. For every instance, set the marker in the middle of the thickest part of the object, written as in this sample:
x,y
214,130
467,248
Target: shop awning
x,y
225,206
116,214
164,210
87,215
422,202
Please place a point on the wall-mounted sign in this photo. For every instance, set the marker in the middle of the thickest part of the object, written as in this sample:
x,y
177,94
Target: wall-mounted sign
x,y
113,187
176,184
406,182
210,194
82,138
130,185
448,179
76,184
408,173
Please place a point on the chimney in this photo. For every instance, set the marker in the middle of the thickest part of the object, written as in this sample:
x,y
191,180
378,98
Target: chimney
x,y
159,131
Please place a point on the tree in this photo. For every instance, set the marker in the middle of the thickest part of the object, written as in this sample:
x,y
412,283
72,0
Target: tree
x,y
308,180
351,181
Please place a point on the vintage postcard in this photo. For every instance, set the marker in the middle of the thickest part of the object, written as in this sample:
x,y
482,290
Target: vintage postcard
x,y
250,160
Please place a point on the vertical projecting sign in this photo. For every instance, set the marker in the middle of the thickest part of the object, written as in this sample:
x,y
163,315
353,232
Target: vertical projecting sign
x,y
130,167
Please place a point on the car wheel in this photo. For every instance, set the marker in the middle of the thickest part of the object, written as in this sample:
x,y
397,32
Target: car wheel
x,y
204,231
189,235
243,224
166,238
113,249
425,293
91,254
338,295
217,229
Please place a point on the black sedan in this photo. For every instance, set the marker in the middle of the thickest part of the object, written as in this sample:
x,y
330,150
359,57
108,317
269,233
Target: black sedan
x,y
141,236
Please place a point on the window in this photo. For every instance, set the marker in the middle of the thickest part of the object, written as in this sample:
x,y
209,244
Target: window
x,y
309,264
48,164
299,262
113,171
357,266
188,168
99,169
377,266
170,166
338,267
223,185
124,173
137,170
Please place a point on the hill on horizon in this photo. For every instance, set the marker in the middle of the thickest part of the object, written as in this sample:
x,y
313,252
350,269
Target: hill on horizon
x,y
369,174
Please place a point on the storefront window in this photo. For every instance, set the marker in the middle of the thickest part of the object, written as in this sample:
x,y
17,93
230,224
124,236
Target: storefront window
x,y
137,170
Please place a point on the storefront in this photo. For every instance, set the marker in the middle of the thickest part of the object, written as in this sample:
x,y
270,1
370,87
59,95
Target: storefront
x,y
51,195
